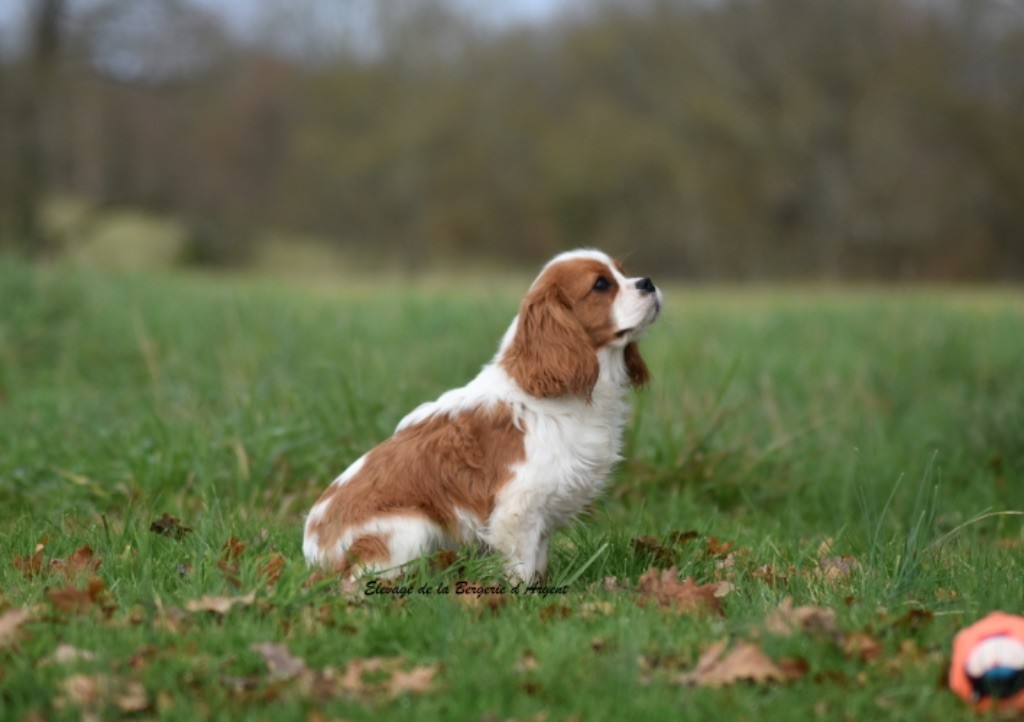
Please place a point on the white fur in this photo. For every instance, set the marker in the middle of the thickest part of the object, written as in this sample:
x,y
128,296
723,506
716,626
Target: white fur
x,y
570,447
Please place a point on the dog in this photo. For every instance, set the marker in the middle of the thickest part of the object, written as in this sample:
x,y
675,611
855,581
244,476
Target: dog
x,y
510,457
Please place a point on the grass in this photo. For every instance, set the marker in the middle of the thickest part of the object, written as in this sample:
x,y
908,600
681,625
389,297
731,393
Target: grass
x,y
884,428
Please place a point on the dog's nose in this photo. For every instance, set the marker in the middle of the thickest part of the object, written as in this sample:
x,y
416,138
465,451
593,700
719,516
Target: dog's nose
x,y
645,285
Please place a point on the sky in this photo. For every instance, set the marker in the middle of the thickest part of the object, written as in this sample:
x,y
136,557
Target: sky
x,y
248,18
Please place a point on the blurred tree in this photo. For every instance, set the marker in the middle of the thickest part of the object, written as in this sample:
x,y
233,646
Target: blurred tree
x,y
31,101
726,139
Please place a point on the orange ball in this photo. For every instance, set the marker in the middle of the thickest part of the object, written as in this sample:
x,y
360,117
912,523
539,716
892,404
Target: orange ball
x,y
987,671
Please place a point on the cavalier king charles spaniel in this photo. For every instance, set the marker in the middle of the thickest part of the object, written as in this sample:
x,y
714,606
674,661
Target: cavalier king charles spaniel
x,y
510,457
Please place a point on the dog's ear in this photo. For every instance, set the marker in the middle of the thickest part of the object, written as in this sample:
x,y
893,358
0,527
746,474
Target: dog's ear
x,y
550,354
639,374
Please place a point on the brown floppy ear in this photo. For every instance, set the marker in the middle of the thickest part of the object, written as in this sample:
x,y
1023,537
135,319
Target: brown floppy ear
x,y
635,366
550,354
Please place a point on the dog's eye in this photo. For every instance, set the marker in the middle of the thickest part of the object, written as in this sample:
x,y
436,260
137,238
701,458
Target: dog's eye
x,y
602,284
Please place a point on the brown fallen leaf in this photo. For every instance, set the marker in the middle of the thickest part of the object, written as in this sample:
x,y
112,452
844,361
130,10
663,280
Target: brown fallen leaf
x,y
31,566
283,665
611,584
75,600
81,561
374,677
130,696
169,526
770,575
82,690
862,645
92,692
915,620
649,546
228,562
677,538
599,644
527,664
663,587
836,569
10,621
352,680
443,559
219,605
66,654
716,548
551,612
272,568
743,663
417,680
232,549
596,609
787,620
487,597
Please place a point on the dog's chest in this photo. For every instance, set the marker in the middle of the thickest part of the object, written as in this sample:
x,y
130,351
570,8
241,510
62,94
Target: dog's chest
x,y
569,456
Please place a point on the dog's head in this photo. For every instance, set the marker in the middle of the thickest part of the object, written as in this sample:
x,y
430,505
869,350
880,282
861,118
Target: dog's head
x,y
581,302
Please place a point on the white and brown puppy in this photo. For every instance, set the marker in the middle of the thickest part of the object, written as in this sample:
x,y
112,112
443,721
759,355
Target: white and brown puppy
x,y
517,452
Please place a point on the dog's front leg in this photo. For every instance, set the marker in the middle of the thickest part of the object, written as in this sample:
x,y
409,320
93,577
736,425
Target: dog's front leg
x,y
522,540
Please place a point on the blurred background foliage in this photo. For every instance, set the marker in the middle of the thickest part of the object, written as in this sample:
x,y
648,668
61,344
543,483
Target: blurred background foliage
x,y
706,139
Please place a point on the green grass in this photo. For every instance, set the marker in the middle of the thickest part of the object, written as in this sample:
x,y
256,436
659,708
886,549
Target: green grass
x,y
884,420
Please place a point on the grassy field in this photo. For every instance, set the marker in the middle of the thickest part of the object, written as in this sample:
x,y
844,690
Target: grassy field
x,y
858,451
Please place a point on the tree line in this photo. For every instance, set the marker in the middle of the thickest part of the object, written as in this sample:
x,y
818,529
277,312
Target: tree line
x,y
718,139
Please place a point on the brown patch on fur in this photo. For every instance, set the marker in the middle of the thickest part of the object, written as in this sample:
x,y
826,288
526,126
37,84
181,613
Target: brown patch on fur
x,y
562,322
367,549
427,470
635,366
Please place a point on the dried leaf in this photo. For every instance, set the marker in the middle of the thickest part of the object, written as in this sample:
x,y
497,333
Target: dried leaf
x,y
232,549
10,621
788,619
32,566
664,588
376,677
80,561
169,526
443,559
74,600
92,692
915,620
281,663
794,667
130,696
272,568
484,601
81,689
677,538
744,663
863,645
596,609
416,681
718,549
554,611
652,547
599,644
836,569
219,605
611,584
228,562
768,574
66,654
527,664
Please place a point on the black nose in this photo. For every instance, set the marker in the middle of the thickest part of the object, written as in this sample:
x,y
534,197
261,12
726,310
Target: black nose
x,y
645,285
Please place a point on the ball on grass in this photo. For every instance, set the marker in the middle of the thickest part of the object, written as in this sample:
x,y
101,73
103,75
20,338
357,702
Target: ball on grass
x,y
987,670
